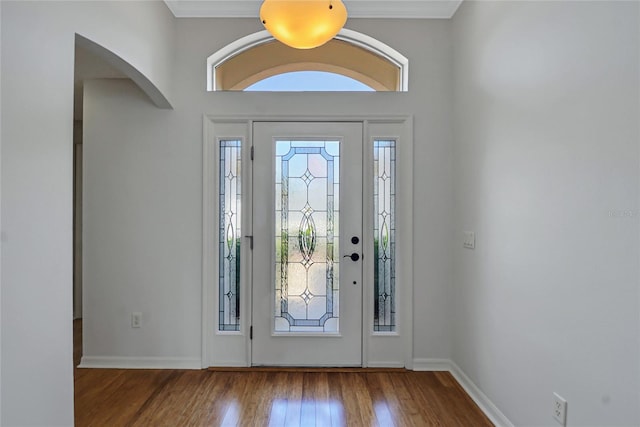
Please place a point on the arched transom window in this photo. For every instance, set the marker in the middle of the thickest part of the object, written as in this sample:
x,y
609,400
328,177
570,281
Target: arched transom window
x,y
354,55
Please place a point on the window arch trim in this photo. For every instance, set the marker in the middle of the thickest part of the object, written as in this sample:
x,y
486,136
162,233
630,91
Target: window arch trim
x,y
352,37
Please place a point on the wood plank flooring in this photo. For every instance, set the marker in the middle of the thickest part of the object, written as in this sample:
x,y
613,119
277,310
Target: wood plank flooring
x,y
116,397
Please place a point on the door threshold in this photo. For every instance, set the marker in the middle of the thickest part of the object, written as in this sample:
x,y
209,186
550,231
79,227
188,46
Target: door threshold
x,y
304,369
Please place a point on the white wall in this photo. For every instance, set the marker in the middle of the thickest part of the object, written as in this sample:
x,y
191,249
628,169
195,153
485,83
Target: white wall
x,y
1,237
141,221
546,173
143,188
36,176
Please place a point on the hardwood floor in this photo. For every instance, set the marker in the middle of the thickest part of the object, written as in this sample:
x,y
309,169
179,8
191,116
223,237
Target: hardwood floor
x,y
116,397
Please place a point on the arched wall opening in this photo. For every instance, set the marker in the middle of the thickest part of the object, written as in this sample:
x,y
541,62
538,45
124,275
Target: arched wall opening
x,y
94,61
156,96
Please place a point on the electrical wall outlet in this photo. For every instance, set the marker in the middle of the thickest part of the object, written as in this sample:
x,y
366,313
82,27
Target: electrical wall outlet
x,y
136,320
559,409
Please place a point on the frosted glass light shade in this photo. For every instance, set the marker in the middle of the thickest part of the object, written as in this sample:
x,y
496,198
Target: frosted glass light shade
x,y
303,24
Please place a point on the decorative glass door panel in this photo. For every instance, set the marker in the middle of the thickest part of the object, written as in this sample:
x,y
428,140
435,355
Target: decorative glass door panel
x,y
307,240
229,235
384,235
307,297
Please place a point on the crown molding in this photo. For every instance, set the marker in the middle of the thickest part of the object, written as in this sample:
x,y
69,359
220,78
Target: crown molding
x,y
401,9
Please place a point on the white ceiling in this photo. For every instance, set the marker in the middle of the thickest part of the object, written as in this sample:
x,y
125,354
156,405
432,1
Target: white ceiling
x,y
442,9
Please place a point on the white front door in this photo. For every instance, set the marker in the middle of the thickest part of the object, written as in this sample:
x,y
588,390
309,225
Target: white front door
x,y
307,234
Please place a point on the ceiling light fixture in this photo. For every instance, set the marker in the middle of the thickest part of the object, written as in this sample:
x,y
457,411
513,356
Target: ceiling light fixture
x,y
303,24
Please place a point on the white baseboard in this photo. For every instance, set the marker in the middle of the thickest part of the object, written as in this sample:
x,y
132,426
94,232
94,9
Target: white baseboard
x,y
484,403
381,364
432,365
227,364
116,362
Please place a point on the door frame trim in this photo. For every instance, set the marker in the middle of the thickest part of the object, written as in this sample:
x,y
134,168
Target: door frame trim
x,y
244,124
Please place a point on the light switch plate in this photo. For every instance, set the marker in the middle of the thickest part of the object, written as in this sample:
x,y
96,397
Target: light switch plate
x,y
469,241
136,320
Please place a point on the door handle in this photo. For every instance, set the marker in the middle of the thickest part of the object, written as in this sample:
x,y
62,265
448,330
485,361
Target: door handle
x,y
354,256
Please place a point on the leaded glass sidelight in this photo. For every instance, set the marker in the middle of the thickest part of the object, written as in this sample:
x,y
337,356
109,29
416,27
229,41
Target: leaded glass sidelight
x,y
384,235
306,235
229,194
